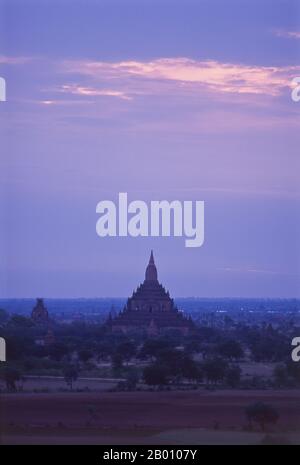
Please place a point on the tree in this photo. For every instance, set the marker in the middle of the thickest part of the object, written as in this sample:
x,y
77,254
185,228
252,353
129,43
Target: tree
x,y
117,361
4,316
70,375
58,350
103,350
191,370
266,348
262,414
293,370
280,374
215,369
192,344
172,360
152,348
231,349
11,376
233,376
85,355
20,321
132,378
127,350
155,375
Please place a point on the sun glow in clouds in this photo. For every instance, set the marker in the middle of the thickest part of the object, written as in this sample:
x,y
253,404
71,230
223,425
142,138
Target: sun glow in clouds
x,y
212,75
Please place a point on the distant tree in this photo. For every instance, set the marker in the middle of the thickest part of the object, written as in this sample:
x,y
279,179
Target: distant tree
x,y
207,350
127,350
262,350
172,360
230,349
11,376
266,348
280,374
208,334
85,355
293,371
131,381
215,369
262,414
191,370
192,345
117,361
103,350
20,321
228,321
4,316
155,375
58,350
233,376
152,348
39,351
17,345
70,375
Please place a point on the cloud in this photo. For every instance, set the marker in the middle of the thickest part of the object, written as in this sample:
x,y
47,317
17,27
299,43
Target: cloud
x,y
60,102
89,91
258,271
166,95
187,76
288,34
6,60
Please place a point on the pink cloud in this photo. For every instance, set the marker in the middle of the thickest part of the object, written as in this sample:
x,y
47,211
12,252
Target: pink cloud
x,y
89,91
6,60
190,75
288,34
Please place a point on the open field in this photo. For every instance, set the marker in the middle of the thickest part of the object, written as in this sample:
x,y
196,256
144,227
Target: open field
x,y
193,436
173,417
57,383
46,383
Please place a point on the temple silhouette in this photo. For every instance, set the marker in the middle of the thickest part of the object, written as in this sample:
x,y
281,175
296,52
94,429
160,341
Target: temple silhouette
x,y
39,312
150,309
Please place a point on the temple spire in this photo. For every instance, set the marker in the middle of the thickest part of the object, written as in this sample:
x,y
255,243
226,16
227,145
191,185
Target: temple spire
x,y
151,260
151,271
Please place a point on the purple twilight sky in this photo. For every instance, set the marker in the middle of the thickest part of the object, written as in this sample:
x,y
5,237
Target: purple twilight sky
x,y
187,100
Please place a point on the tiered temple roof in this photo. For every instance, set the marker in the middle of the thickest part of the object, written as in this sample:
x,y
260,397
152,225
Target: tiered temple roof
x,y
150,309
